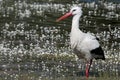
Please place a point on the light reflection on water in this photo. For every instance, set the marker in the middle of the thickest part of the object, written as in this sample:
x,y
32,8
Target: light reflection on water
x,y
29,30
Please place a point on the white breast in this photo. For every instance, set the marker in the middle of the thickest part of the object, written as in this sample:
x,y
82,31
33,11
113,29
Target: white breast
x,y
75,38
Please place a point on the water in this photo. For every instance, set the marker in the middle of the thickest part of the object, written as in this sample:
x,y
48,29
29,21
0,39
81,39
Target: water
x,y
33,46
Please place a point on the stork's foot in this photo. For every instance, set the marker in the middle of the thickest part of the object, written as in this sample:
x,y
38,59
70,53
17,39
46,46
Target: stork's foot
x,y
87,71
88,65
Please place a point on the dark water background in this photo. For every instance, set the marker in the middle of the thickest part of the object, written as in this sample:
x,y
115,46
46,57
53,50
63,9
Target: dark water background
x,y
28,30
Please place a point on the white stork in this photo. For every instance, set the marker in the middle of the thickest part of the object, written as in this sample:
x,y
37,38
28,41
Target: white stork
x,y
84,45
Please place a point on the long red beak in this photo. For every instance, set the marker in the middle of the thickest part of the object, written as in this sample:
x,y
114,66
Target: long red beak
x,y
64,16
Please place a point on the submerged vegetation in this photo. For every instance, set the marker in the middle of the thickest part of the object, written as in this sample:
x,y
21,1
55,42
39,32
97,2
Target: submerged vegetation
x,y
53,67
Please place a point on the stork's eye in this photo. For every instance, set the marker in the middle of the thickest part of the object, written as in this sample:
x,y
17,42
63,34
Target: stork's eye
x,y
74,10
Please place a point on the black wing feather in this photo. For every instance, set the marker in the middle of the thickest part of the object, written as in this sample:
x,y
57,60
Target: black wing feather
x,y
98,53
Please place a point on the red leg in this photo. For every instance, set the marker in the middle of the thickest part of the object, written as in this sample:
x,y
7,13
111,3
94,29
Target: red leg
x,y
88,68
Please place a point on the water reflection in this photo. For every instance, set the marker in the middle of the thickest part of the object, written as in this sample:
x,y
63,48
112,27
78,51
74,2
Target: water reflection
x,y
33,45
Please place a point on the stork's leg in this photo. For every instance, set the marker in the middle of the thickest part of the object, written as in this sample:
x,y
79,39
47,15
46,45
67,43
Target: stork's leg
x,y
88,68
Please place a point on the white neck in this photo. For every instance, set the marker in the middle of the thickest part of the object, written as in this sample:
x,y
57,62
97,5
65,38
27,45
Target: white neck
x,y
76,34
75,22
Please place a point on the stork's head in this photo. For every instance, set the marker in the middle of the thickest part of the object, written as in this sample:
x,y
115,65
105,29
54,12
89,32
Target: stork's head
x,y
74,11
